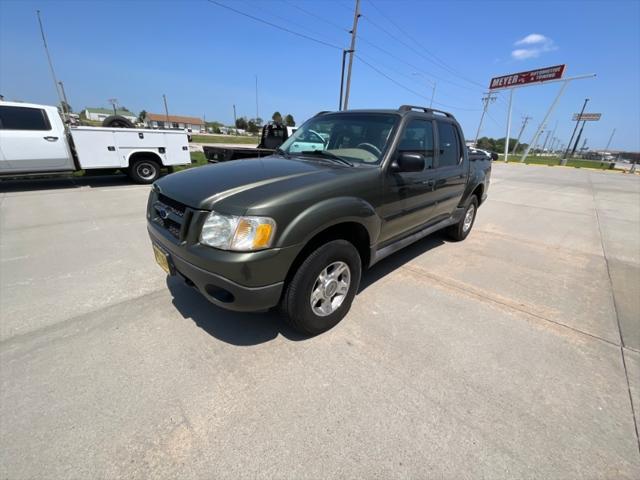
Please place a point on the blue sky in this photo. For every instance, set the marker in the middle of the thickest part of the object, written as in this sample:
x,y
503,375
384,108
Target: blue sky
x,y
205,58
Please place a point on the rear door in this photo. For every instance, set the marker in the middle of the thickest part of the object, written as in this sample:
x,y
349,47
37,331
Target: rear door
x,y
409,196
451,170
32,140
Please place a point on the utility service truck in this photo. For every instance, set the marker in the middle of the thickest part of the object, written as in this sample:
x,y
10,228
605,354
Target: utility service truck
x,y
35,140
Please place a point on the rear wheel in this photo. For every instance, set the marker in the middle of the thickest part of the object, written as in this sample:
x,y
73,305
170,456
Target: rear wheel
x,y
144,170
321,291
461,230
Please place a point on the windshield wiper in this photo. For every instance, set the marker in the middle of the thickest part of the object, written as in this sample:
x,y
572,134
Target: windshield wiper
x,y
282,153
329,156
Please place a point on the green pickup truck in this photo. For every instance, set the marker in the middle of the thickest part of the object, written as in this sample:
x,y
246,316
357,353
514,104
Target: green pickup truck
x,y
297,229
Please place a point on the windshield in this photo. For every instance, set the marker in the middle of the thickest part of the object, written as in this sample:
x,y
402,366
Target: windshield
x,y
356,138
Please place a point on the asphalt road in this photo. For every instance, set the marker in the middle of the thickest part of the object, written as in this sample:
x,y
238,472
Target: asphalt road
x,y
514,354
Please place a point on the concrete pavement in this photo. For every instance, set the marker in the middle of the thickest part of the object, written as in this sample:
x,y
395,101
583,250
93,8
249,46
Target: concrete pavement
x,y
514,354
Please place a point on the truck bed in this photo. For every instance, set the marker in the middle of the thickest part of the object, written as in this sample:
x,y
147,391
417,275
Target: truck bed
x,y
224,154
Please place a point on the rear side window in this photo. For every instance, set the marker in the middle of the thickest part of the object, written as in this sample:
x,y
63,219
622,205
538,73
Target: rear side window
x,y
418,138
449,145
23,118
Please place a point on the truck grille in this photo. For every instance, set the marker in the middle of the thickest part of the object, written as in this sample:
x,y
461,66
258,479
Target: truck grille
x,y
169,214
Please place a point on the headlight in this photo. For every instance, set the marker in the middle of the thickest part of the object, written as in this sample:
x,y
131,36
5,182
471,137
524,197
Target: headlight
x,y
229,232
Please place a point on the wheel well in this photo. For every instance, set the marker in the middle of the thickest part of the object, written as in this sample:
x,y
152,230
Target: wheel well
x,y
145,156
353,232
478,193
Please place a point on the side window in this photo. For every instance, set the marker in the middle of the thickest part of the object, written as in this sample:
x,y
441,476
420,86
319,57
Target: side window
x,y
449,145
23,118
418,138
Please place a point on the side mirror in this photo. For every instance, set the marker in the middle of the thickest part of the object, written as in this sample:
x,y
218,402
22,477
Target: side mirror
x,y
494,156
409,162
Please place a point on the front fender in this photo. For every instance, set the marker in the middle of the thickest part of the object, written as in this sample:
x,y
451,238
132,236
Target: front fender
x,y
327,213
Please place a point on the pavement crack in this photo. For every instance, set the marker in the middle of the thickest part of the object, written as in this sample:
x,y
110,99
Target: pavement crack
x,y
487,297
615,307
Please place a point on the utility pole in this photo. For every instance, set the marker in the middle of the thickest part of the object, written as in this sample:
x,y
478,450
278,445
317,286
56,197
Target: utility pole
x,y
525,120
344,54
166,109
356,17
257,113
114,102
564,157
553,135
53,73
488,97
544,145
606,149
65,105
235,119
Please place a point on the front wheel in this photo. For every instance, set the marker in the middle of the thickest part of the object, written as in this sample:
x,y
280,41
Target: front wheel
x,y
144,171
321,292
461,230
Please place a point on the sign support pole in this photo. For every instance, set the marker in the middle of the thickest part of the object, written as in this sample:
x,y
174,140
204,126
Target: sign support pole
x,y
506,140
544,120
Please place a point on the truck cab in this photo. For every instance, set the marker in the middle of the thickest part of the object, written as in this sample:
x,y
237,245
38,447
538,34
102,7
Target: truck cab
x,y
39,127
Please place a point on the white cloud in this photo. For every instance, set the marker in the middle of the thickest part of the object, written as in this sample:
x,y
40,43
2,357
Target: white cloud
x,y
523,53
536,44
532,39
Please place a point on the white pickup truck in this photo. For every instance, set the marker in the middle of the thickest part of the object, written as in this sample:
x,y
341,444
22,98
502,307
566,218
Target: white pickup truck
x,y
34,139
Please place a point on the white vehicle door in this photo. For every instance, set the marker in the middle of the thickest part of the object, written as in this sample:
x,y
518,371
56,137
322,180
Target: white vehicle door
x,y
32,140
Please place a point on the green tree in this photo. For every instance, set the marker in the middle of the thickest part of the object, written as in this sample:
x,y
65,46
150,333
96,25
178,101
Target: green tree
x,y
142,116
276,117
289,121
241,123
252,126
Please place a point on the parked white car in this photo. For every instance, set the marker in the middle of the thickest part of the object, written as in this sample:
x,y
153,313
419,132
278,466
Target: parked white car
x,y
34,139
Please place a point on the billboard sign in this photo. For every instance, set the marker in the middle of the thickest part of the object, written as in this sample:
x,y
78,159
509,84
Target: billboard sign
x,y
586,117
524,78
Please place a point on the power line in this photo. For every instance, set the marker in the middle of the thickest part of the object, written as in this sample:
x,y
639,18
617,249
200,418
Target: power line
x,y
315,15
393,80
434,58
274,25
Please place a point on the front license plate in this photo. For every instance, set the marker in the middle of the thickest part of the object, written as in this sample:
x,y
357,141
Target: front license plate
x,y
162,259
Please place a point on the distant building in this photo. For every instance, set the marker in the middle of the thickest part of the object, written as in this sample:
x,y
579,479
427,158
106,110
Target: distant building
x,y
157,120
99,114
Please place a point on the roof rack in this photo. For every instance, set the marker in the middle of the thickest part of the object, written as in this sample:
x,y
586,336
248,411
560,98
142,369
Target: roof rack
x,y
409,108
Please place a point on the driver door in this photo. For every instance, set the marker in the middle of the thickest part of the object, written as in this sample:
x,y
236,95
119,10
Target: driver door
x,y
410,199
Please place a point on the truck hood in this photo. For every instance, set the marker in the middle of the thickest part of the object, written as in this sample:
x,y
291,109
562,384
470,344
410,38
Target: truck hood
x,y
205,186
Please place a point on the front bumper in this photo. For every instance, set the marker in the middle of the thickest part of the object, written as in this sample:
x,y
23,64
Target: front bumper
x,y
217,287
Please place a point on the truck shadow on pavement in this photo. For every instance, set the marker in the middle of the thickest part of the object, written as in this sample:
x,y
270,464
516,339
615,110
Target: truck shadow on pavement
x,y
246,329
236,328
61,182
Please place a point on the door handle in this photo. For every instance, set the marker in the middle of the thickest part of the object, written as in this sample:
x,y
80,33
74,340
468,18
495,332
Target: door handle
x,y
428,183
51,139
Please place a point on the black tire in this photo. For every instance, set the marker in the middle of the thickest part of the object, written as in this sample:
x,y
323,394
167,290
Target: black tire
x,y
459,232
117,121
296,301
144,170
